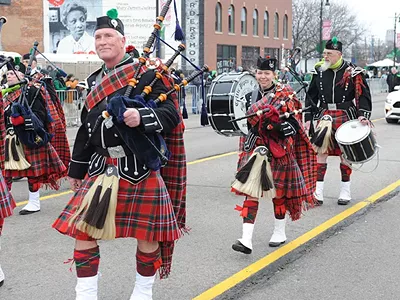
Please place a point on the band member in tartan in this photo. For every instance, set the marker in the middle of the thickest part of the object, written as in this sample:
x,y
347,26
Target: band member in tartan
x,y
7,203
290,154
338,89
150,204
41,165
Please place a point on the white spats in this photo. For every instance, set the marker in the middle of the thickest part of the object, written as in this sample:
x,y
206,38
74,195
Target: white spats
x,y
345,193
33,204
86,288
279,235
247,235
143,287
319,191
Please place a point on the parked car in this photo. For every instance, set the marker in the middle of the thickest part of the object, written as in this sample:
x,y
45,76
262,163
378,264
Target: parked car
x,y
392,106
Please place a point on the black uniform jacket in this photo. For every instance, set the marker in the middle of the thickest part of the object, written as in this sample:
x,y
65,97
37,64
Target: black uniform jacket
x,y
327,91
89,158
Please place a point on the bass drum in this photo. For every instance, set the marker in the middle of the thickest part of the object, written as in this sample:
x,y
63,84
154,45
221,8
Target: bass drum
x,y
356,141
226,101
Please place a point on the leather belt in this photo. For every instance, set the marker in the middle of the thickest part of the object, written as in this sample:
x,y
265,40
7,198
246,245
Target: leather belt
x,y
337,106
114,152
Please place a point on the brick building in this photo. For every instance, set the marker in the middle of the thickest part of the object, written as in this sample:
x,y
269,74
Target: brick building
x,y
226,34
24,25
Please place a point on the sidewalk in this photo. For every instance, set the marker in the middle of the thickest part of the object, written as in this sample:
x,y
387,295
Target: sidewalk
x,y
192,122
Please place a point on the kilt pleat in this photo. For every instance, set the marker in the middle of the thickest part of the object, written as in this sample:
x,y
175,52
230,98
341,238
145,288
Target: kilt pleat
x,y
339,117
288,179
144,211
46,166
7,203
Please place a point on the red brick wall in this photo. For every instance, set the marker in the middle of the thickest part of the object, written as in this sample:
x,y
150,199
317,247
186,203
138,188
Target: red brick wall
x,y
24,25
211,38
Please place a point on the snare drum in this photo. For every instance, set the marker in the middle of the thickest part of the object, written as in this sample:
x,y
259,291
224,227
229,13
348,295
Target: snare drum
x,y
226,101
356,141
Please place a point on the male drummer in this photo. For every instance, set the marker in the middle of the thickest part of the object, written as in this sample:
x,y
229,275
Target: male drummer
x,y
338,89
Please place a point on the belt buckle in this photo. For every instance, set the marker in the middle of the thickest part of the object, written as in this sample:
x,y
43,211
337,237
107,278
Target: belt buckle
x,y
116,152
332,106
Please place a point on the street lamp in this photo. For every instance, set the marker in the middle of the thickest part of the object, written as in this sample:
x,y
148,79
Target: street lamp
x,y
394,38
321,24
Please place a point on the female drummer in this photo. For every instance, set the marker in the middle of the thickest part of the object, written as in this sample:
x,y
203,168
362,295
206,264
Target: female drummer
x,y
290,154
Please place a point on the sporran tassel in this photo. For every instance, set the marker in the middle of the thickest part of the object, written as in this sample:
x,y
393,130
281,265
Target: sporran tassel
x,y
99,221
322,138
259,179
184,111
244,172
14,154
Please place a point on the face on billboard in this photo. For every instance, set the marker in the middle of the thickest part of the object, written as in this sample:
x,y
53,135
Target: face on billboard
x,y
76,24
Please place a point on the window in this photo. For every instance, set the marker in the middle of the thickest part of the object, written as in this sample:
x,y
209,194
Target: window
x,y
243,21
276,26
285,27
5,1
266,24
249,57
255,22
226,58
231,19
218,17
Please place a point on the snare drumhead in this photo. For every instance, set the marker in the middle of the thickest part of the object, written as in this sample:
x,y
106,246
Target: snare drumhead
x,y
352,132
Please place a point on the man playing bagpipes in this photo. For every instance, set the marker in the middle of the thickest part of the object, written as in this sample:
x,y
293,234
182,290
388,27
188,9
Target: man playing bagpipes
x,y
338,93
28,151
276,160
7,203
119,190
58,127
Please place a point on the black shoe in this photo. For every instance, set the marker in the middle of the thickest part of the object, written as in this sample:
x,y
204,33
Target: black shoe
x,y
1,283
239,247
276,244
318,202
343,202
27,212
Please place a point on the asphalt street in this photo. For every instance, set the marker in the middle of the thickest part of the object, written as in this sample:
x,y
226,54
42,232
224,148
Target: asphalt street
x,y
33,254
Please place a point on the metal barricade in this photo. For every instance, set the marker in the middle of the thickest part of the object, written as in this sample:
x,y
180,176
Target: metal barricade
x,y
192,96
377,85
72,104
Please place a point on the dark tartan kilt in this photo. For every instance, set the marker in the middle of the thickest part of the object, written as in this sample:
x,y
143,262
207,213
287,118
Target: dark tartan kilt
x,y
144,211
46,166
58,129
288,179
339,117
7,203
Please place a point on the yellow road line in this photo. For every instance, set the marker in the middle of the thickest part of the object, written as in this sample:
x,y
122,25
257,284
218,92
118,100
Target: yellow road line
x,y
282,251
376,120
70,191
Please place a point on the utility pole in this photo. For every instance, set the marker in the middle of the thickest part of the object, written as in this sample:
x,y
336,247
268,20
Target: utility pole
x,y
396,15
158,43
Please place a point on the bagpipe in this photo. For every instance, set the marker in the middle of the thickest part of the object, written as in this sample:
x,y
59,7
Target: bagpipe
x,y
149,148
271,121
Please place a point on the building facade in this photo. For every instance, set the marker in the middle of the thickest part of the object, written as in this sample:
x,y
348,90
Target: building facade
x,y
24,25
226,34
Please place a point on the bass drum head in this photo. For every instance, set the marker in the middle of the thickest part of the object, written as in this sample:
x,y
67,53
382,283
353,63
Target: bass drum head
x,y
351,132
246,83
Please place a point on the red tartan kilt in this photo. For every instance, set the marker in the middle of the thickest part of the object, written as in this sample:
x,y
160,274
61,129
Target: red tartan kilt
x,y
61,145
288,179
7,203
144,211
46,166
339,117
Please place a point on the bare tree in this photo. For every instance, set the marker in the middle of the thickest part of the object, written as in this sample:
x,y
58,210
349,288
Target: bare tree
x,y
306,26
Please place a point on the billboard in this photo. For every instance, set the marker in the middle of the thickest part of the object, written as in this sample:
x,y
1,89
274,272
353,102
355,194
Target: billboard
x,y
69,24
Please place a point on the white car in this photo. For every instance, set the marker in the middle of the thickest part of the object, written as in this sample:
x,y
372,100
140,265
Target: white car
x,y
392,106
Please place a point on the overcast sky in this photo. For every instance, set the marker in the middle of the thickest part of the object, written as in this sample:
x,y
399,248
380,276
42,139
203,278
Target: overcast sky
x,y
377,15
